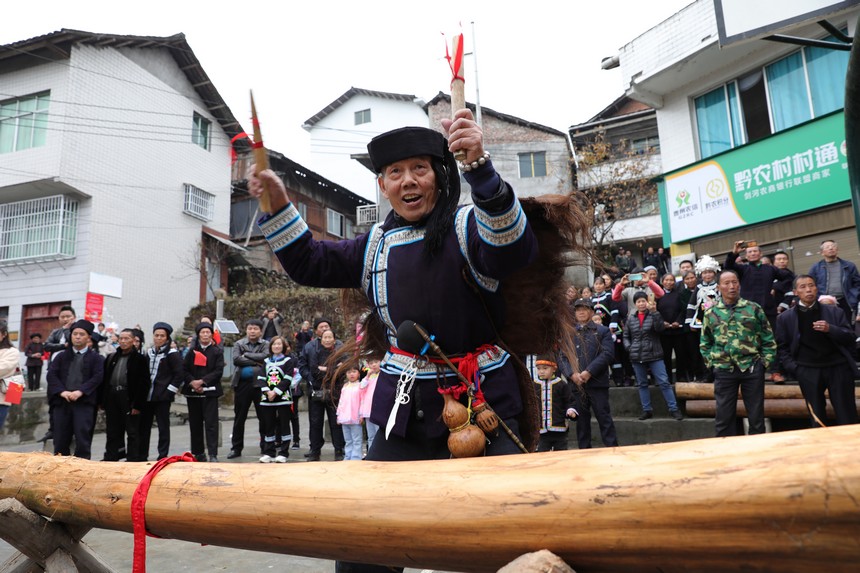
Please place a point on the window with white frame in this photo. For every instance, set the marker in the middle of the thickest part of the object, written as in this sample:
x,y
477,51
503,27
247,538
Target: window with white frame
x,y
336,223
24,122
199,203
362,116
803,85
532,164
302,208
42,229
201,131
645,145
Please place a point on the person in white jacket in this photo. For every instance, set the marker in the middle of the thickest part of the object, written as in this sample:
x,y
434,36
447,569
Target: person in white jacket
x,y
9,365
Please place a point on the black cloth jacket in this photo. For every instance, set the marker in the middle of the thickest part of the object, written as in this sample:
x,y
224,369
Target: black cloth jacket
x,y
788,336
595,352
669,307
211,373
169,375
310,361
93,374
560,399
757,281
136,377
34,348
642,343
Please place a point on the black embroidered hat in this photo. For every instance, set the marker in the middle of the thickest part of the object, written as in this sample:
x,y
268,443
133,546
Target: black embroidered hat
x,y
403,143
84,325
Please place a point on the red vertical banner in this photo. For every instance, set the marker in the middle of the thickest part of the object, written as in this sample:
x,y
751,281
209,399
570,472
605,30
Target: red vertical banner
x,y
94,307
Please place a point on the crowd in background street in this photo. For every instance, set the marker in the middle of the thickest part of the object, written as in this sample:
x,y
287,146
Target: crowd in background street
x,y
736,325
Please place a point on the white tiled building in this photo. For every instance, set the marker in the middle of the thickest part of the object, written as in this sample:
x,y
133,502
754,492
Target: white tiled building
x,y
745,107
114,178
341,130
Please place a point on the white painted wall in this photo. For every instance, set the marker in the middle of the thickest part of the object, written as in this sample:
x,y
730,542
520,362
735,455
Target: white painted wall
x,y
682,50
671,41
133,226
336,137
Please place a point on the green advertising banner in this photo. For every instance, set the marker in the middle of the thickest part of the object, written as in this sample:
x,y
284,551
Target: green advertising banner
x,y
793,171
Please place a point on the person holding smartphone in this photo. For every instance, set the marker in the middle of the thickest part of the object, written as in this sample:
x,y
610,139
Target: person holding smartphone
x,y
630,284
756,280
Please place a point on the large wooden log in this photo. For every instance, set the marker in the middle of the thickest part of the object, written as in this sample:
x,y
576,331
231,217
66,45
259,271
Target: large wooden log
x,y
774,408
784,502
705,391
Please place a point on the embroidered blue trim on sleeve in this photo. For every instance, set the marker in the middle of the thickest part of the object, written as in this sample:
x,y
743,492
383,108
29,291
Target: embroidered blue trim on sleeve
x,y
461,223
501,230
283,228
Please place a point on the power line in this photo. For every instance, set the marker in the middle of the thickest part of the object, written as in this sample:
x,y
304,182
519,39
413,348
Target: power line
x,y
69,65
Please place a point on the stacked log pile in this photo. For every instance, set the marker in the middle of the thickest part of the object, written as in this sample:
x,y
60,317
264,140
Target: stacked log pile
x,y
780,401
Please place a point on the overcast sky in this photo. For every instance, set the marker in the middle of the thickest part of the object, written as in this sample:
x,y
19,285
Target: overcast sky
x,y
537,60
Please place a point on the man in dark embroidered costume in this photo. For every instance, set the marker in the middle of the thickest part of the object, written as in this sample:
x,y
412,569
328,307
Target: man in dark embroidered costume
x,y
432,262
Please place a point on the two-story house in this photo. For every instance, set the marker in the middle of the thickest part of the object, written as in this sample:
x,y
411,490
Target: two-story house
x,y
114,178
617,154
328,208
340,131
533,158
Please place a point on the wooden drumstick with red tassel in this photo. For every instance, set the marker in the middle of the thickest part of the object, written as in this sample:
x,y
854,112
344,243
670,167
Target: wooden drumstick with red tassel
x,y
261,157
458,87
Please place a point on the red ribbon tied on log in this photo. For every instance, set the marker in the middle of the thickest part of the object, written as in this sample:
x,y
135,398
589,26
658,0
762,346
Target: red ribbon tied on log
x,y
455,61
138,509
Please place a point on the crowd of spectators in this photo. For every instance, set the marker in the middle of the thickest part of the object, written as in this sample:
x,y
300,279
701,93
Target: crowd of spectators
x,y
645,325
94,367
676,301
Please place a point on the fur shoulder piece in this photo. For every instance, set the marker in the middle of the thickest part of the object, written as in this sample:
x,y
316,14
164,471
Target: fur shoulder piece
x,y
538,318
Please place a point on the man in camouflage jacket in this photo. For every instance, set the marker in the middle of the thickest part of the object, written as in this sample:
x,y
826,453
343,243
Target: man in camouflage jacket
x,y
738,344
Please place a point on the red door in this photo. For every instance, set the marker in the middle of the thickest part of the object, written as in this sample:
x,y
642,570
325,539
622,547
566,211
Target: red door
x,y
41,318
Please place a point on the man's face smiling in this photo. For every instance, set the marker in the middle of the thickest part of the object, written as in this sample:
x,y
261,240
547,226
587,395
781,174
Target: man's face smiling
x,y
410,187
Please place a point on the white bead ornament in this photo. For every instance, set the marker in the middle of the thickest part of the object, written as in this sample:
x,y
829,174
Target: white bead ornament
x,y
466,167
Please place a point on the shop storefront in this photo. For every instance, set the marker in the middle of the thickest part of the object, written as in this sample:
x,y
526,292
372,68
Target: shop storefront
x,y
788,191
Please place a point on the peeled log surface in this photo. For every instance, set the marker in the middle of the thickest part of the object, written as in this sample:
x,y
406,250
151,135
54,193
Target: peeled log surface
x,y
784,502
702,390
773,408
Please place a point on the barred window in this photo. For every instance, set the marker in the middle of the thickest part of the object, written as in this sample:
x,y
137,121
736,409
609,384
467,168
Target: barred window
x,y
366,214
38,230
24,122
201,130
199,203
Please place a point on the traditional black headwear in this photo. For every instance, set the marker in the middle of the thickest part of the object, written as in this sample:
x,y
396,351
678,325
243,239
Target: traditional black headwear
x,y
403,143
203,325
85,325
407,142
163,326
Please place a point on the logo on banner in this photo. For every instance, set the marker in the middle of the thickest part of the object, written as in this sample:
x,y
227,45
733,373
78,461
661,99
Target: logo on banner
x,y
714,188
683,198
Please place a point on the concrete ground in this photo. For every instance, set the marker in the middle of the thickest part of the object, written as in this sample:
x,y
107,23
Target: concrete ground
x,y
165,555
